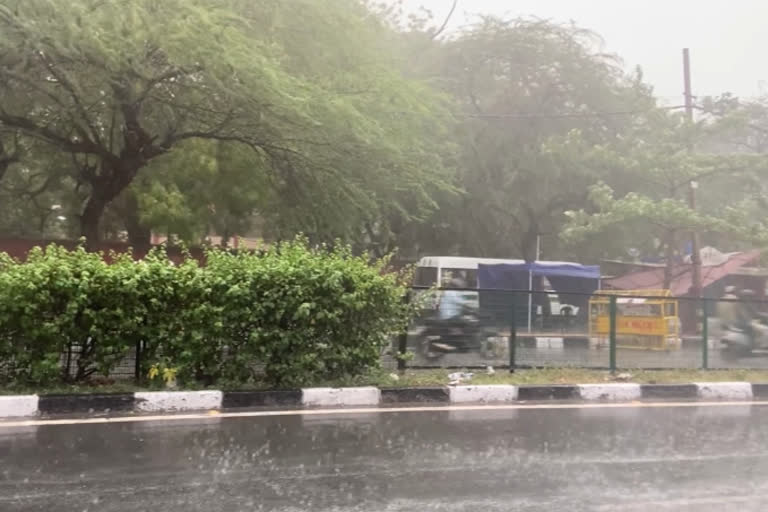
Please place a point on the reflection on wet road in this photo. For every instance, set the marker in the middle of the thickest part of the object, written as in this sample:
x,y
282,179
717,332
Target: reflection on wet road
x,y
691,458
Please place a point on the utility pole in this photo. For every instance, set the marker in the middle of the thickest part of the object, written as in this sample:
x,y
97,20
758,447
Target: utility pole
x,y
696,285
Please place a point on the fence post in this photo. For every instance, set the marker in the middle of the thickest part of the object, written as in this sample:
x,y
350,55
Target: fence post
x,y
512,343
704,335
68,371
137,364
402,340
612,334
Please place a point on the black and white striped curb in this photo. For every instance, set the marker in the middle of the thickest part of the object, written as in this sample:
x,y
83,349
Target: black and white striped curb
x,y
178,401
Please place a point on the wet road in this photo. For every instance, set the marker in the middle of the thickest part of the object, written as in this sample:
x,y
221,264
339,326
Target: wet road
x,y
631,458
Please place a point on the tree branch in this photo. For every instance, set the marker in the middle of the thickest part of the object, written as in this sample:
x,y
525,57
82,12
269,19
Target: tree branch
x,y
447,19
32,85
44,133
68,85
154,82
8,159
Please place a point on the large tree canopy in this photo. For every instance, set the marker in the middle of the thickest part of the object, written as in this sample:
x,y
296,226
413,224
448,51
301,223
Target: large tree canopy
x,y
345,119
530,93
117,85
648,210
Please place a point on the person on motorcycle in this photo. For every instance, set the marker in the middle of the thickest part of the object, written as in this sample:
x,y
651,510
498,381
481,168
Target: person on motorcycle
x,y
444,334
746,314
728,309
452,300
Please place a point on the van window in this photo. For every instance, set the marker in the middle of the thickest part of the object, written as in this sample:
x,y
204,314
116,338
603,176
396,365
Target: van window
x,y
425,276
468,278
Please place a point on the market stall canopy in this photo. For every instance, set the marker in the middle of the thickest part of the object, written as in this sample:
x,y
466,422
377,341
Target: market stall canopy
x,y
682,275
563,276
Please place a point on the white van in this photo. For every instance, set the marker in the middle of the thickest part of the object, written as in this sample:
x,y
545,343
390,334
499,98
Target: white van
x,y
439,271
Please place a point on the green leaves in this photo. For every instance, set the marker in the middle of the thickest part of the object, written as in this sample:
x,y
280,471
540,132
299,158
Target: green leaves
x,y
219,111
299,313
533,97
647,200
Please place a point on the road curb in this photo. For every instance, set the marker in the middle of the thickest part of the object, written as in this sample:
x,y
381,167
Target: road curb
x,y
760,391
483,394
544,393
669,391
434,395
276,398
725,391
340,397
176,401
625,392
103,403
18,406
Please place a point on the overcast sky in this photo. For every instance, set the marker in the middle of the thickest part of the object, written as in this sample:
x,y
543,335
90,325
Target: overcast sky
x,y
727,38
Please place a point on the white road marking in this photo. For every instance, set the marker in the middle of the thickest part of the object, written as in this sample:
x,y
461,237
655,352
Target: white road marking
x,y
368,410
676,504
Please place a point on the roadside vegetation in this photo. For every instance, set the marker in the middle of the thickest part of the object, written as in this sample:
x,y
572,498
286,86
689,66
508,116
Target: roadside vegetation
x,y
351,122
358,120
427,378
290,315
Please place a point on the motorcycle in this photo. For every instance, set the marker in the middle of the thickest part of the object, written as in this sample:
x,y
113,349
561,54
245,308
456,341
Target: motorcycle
x,y
460,334
740,342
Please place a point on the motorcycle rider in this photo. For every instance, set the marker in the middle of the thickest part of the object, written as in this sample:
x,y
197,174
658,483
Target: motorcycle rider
x,y
746,314
440,335
728,309
451,300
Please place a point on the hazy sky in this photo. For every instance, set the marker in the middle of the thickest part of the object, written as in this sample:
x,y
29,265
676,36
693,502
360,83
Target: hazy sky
x,y
727,38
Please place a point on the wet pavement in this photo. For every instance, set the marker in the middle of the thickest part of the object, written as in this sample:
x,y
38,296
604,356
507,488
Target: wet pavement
x,y
629,458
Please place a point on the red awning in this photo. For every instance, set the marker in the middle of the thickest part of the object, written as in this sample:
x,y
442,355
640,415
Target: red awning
x,y
681,275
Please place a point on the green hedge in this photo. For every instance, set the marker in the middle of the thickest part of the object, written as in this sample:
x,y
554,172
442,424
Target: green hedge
x,y
289,316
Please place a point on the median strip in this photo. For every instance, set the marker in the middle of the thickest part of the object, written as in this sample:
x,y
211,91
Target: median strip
x,y
26,406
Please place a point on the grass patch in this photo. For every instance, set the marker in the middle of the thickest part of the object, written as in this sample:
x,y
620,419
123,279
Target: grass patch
x,y
573,376
69,389
418,378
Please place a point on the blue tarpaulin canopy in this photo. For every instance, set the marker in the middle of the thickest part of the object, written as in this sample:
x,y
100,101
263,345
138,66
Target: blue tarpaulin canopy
x,y
563,276
509,278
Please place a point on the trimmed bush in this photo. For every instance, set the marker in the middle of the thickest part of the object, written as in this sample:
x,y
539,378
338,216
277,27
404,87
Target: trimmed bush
x,y
289,316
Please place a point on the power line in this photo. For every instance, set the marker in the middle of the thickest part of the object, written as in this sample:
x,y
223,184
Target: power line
x,y
565,115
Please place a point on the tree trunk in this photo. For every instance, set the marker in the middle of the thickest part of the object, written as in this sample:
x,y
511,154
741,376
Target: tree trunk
x,y
91,218
669,253
529,244
139,235
112,180
7,159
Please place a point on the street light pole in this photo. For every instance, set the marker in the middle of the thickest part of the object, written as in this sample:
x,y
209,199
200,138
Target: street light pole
x,y
530,284
696,285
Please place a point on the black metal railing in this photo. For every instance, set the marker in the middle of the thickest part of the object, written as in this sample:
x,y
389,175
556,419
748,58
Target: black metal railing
x,y
475,328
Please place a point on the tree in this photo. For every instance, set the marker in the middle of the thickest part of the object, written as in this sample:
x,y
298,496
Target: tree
x,y
530,93
205,189
8,155
118,85
36,198
657,166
